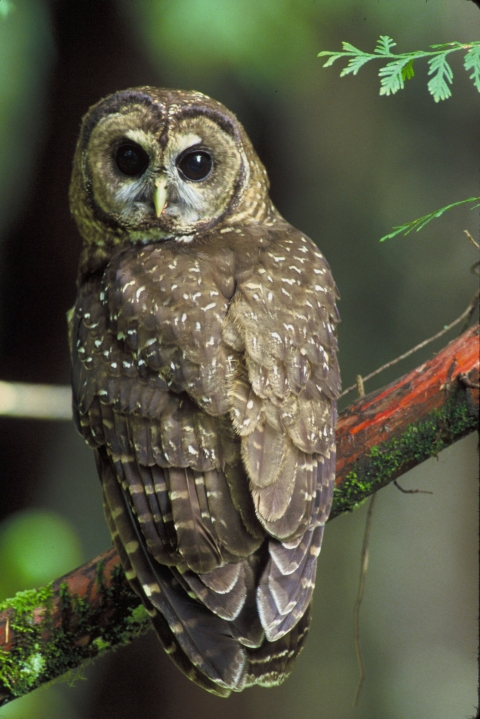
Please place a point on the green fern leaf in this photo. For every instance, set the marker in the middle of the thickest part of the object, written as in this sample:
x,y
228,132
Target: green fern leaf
x,y
442,75
420,222
472,62
392,76
408,72
355,64
384,45
347,47
400,67
333,57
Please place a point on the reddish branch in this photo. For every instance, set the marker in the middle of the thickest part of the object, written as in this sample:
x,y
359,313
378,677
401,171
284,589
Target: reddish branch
x,y
380,437
386,433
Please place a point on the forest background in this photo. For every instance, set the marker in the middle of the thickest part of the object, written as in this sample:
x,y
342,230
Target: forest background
x,y
345,166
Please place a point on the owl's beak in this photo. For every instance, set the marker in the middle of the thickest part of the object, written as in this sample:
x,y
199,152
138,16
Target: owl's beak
x,y
160,195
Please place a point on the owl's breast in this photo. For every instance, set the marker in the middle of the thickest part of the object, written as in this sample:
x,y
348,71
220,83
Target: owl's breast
x,y
166,309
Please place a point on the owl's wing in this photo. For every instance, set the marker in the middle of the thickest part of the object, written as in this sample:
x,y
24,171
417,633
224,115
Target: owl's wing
x,y
175,490
282,321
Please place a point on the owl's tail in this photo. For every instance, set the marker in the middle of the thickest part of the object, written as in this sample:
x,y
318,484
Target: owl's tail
x,y
197,640
219,655
270,664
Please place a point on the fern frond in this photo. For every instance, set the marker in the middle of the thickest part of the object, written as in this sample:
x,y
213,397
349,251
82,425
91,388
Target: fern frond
x,y
422,221
354,65
472,62
384,45
442,74
391,76
400,67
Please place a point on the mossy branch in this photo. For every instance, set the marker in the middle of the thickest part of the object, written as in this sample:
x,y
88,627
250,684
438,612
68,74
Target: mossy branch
x,y
49,631
386,433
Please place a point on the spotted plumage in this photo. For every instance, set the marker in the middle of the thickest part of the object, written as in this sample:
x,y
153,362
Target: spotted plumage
x,y
205,378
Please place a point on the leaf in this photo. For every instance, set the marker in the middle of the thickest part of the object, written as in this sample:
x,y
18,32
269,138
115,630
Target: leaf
x,y
351,48
408,72
384,45
333,56
392,76
400,69
422,221
357,58
472,62
355,64
442,74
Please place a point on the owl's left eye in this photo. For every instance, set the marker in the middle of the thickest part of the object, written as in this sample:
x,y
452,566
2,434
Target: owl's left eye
x,y
195,166
131,159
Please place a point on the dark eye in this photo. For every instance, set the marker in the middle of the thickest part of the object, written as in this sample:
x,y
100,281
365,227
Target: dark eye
x,y
195,165
131,159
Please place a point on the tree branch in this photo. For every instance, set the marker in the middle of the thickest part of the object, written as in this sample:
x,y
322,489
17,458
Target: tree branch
x,y
386,433
49,631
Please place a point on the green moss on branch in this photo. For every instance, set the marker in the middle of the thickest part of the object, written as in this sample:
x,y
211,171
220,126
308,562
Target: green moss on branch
x,y
54,630
419,441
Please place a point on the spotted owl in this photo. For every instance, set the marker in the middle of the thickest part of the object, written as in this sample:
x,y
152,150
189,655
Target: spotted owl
x,y
205,379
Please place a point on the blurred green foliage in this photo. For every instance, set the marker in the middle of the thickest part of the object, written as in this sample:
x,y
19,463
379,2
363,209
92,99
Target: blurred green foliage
x,y
6,7
45,703
26,55
261,39
36,546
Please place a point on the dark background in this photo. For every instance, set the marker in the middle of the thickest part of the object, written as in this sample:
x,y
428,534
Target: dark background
x,y
345,165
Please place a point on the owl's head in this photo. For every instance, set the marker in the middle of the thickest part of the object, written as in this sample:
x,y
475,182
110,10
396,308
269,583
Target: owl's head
x,y
153,164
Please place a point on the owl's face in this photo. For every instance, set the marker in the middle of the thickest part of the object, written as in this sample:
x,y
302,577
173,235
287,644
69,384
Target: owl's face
x,y
153,164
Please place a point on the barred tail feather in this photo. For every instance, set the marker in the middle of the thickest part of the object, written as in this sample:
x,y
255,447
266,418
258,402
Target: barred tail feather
x,y
270,664
204,638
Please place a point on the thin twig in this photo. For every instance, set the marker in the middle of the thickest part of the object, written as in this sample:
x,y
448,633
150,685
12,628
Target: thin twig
x,y
356,611
467,313
473,305
410,491
360,385
463,378
471,239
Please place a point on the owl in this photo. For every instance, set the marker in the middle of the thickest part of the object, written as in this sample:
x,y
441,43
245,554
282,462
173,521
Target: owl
x,y
205,379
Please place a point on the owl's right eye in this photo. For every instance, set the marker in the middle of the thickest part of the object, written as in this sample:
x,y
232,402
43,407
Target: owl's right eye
x,y
131,159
